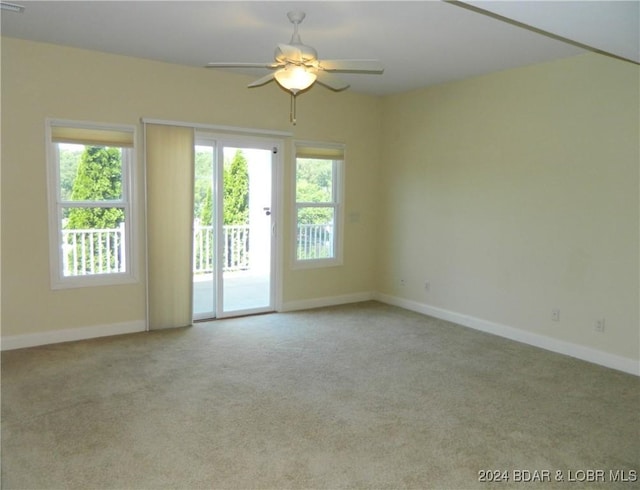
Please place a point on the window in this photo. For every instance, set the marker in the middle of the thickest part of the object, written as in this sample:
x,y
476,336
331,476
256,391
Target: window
x,y
318,211
90,173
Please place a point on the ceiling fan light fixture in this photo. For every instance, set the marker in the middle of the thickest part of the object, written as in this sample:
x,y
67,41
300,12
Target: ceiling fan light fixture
x,y
295,78
298,67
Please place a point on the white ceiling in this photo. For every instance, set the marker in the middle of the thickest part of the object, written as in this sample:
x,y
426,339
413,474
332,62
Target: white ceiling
x,y
610,26
420,43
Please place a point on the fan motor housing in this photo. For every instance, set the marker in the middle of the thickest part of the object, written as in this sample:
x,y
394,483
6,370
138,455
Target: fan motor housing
x,y
307,53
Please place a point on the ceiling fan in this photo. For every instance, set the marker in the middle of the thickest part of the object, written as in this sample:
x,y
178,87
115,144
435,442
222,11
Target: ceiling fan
x,y
297,66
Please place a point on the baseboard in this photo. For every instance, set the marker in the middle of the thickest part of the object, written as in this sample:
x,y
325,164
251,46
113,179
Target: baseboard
x,y
588,354
70,334
306,304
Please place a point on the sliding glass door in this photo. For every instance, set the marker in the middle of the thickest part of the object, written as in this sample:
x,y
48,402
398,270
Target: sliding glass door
x,y
234,227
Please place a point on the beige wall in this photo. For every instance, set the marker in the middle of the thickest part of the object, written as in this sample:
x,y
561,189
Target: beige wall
x,y
40,81
517,193
512,194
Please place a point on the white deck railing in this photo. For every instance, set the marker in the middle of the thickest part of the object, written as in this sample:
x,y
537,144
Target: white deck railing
x,y
235,250
102,251
93,251
314,241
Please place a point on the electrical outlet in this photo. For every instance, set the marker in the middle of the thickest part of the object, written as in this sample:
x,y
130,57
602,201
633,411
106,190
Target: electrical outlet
x,y
555,315
600,324
427,286
403,282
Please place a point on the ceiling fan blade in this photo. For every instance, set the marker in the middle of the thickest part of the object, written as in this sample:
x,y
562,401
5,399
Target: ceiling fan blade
x,y
262,81
288,52
365,66
243,65
331,81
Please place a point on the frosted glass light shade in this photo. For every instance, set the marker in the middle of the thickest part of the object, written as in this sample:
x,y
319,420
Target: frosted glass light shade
x,y
295,78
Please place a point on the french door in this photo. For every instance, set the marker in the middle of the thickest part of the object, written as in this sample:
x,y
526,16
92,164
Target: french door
x,y
234,226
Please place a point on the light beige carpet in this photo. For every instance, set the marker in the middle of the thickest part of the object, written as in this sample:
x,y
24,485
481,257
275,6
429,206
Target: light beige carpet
x,y
358,396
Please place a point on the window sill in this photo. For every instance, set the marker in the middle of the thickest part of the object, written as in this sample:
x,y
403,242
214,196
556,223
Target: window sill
x,y
316,264
93,281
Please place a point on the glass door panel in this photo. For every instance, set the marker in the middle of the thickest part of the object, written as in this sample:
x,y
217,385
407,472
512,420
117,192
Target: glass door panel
x,y
204,264
245,247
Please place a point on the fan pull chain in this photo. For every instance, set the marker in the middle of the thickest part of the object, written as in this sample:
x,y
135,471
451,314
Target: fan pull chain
x,y
292,109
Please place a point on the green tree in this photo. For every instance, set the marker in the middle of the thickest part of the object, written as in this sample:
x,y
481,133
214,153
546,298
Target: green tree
x,y
202,184
314,178
69,160
99,178
313,185
236,190
206,208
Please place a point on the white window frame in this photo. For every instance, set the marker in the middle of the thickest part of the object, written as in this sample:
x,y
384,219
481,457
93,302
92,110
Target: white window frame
x,y
56,205
337,194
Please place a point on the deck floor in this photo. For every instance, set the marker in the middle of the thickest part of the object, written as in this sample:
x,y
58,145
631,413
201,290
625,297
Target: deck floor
x,y
243,290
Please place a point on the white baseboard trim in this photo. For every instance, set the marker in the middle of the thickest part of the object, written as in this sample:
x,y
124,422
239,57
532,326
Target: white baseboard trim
x,y
306,304
12,342
588,354
584,353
